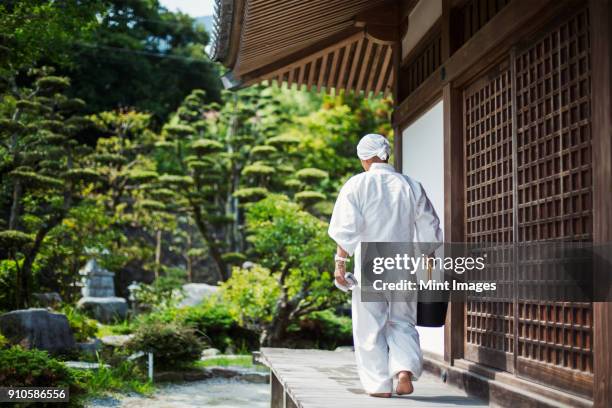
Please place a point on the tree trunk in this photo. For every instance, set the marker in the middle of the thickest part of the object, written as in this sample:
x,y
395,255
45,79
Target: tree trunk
x,y
15,206
213,248
276,332
158,241
189,262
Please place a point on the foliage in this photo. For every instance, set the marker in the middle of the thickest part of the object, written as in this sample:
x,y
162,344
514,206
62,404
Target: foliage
x,y
144,56
3,341
35,368
251,295
33,30
324,328
83,328
126,377
212,321
163,293
172,344
294,278
45,179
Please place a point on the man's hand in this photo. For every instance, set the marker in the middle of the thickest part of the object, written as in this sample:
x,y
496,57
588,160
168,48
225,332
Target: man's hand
x,y
339,273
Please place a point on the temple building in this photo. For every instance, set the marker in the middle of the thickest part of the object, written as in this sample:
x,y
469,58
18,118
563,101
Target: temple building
x,y
510,102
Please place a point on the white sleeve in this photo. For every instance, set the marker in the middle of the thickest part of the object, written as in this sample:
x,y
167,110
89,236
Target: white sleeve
x,y
346,221
427,221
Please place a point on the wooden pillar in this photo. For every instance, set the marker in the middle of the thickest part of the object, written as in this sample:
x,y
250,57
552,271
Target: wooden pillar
x,y
277,392
397,130
601,122
454,219
453,180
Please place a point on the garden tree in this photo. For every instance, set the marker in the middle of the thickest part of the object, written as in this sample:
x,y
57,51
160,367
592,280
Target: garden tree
x,y
86,231
35,30
216,159
294,272
143,56
329,135
42,168
140,211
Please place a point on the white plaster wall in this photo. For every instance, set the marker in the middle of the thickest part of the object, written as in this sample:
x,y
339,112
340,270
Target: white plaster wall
x,y
423,160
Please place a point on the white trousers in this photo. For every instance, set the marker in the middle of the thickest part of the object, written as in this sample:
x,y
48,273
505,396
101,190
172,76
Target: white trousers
x,y
386,342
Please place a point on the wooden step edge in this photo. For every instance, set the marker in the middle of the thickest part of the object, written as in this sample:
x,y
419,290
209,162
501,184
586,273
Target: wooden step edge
x,y
500,388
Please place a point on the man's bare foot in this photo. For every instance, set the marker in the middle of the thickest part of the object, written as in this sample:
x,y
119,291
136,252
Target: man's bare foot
x,y
404,383
381,395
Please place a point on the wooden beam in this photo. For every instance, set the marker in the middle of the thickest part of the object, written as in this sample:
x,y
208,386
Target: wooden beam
x,y
373,70
454,209
349,82
601,126
333,69
383,70
322,72
311,51
365,62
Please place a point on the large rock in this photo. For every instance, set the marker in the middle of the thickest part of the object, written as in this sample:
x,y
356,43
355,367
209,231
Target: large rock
x,y
38,328
104,309
195,293
117,340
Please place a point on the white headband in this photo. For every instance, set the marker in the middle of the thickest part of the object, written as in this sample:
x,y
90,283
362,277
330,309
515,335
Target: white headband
x,y
373,145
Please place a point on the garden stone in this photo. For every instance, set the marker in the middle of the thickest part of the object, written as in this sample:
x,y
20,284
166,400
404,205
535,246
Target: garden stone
x,y
38,328
224,372
256,378
195,293
83,365
210,352
119,340
48,299
104,309
90,347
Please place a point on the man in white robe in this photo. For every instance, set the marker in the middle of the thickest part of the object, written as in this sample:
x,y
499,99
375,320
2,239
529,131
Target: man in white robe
x,y
382,205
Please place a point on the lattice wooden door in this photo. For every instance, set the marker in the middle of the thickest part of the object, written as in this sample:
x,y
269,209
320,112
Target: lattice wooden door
x,y
487,107
543,96
553,93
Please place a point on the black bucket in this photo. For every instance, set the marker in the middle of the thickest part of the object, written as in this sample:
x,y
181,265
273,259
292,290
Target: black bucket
x,y
431,314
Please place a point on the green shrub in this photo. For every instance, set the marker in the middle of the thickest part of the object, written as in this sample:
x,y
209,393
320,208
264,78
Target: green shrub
x,y
83,327
163,292
126,377
214,319
3,341
172,344
251,295
35,368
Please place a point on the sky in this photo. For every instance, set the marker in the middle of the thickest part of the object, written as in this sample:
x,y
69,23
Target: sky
x,y
195,8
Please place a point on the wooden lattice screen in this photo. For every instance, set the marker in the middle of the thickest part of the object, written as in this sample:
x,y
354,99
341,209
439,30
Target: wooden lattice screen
x,y
424,63
537,109
476,13
554,184
489,209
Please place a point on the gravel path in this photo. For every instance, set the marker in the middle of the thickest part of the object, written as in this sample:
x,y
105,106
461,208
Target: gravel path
x,y
220,393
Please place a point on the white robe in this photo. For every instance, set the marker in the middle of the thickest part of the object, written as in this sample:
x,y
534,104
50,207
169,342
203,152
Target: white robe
x,y
382,205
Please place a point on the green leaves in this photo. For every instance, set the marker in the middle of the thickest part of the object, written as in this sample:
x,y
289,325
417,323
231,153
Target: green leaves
x,y
37,181
309,197
204,146
311,174
12,239
257,169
